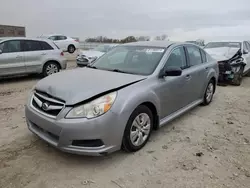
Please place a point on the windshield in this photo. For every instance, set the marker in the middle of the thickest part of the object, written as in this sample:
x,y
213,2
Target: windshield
x,y
223,44
102,48
131,59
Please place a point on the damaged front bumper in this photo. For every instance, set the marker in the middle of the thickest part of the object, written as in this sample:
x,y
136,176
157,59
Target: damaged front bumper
x,y
231,69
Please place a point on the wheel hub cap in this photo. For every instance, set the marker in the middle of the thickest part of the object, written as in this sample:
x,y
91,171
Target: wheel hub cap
x,y
209,92
140,129
51,69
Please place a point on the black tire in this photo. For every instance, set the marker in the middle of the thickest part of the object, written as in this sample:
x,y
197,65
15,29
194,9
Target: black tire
x,y
238,77
206,100
50,64
71,48
127,144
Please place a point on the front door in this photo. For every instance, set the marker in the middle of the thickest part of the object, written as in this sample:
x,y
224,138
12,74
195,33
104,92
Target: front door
x,y
171,90
12,58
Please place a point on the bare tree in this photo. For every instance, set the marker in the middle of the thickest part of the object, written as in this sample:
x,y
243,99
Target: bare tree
x,y
164,37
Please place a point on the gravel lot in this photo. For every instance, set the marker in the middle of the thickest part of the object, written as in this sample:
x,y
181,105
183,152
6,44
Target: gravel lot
x,y
207,147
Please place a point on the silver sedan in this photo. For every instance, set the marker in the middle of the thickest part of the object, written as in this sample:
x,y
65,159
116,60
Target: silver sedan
x,y
118,100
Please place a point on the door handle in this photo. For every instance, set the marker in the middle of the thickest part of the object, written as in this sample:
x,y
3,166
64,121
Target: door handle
x,y
43,54
18,57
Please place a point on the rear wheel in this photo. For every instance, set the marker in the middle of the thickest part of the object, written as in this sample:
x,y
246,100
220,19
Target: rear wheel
x,y
50,68
138,129
71,49
209,93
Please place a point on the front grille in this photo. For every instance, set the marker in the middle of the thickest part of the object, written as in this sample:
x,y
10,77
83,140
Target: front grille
x,y
224,66
46,104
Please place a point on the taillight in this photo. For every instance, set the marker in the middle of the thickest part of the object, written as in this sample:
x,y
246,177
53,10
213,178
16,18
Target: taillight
x,y
62,54
76,40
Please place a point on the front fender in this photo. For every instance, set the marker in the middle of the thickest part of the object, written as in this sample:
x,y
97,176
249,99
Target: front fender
x,y
127,101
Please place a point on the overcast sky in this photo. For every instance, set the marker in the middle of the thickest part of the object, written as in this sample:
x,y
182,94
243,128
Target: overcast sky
x,y
179,19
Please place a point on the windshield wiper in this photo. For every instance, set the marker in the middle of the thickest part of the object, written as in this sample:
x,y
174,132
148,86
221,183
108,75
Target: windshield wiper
x,y
118,70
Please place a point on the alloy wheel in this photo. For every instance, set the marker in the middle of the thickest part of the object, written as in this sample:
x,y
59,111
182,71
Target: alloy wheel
x,y
140,129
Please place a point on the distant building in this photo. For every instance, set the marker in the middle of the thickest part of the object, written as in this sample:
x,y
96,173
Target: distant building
x,y
12,31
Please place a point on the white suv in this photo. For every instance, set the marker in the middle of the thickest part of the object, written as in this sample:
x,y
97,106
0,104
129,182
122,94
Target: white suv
x,y
27,56
63,42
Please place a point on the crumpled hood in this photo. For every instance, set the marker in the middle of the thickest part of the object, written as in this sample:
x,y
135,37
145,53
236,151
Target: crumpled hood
x,y
74,86
90,53
223,53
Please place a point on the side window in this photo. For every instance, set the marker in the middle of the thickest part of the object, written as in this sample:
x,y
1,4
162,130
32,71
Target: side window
x,y
245,46
177,58
194,55
203,56
32,45
45,46
11,46
61,37
248,46
53,38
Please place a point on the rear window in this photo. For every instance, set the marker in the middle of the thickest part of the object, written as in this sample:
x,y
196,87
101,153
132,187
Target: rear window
x,y
203,56
45,46
56,45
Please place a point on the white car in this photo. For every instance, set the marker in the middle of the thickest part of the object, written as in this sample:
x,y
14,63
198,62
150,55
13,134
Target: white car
x,y
21,55
87,56
233,59
63,42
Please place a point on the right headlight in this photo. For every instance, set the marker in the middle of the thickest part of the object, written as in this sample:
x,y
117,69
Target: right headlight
x,y
94,108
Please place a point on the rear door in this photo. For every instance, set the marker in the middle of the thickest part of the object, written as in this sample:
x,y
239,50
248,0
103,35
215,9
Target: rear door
x,y
34,56
198,71
12,58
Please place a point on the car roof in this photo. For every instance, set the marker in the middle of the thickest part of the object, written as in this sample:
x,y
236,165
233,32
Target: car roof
x,y
53,34
163,44
226,41
22,38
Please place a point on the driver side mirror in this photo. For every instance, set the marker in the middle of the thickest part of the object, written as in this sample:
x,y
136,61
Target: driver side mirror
x,y
1,51
245,51
170,71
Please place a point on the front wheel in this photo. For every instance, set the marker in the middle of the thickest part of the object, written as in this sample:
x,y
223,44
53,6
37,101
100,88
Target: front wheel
x,y
209,93
138,129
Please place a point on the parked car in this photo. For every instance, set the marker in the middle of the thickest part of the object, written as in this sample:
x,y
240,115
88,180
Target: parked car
x,y
27,55
151,84
87,56
233,59
63,42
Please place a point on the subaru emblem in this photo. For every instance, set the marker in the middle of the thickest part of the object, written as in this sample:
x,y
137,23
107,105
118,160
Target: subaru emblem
x,y
45,106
